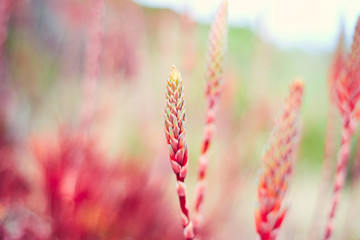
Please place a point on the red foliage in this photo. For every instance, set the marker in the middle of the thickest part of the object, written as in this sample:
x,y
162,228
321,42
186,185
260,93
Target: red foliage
x,y
87,197
348,84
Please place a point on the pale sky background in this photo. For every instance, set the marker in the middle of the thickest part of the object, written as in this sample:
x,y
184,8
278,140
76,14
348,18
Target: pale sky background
x,y
308,24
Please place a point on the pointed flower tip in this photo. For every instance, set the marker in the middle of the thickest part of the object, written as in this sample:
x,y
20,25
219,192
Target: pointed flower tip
x,y
225,3
174,73
356,39
223,8
173,68
175,76
297,85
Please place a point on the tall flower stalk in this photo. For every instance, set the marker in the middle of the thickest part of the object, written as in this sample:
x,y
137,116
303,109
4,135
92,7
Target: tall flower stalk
x,y
330,138
278,166
90,78
92,61
347,90
351,213
5,6
175,137
214,81
4,17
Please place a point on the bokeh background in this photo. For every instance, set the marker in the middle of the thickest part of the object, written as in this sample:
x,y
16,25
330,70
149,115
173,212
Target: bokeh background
x,y
41,93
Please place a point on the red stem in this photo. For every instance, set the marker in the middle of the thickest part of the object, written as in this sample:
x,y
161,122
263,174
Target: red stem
x,y
181,190
326,176
341,170
203,163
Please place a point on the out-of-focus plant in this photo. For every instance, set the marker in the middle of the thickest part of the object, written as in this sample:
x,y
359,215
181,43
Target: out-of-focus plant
x,y
4,17
13,186
92,63
347,88
278,166
330,138
216,57
98,199
73,185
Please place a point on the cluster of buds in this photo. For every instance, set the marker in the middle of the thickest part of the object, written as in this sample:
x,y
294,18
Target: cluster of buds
x,y
175,136
217,47
278,166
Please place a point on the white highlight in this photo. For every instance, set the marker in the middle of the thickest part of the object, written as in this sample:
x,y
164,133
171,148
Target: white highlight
x,y
309,24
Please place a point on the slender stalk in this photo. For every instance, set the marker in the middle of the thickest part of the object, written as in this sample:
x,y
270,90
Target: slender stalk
x,y
351,215
91,69
341,170
326,175
356,167
175,135
330,138
92,62
215,69
4,18
347,91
